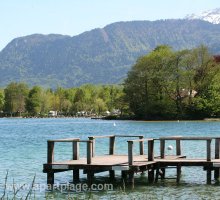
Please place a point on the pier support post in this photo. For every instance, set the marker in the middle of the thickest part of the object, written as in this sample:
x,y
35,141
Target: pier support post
x,y
217,156
76,176
89,152
124,175
178,173
209,176
50,160
157,172
163,173
151,176
162,155
90,175
112,175
50,179
131,179
75,148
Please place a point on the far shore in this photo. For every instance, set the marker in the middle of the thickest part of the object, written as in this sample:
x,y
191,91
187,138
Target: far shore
x,y
118,118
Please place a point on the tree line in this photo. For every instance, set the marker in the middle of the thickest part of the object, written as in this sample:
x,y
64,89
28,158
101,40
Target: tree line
x,y
168,84
164,84
17,99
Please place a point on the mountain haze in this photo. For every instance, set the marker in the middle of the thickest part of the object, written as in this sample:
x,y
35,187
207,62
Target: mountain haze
x,y
99,56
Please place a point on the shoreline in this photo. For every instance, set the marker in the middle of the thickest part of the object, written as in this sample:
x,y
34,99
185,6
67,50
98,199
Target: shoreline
x,y
120,119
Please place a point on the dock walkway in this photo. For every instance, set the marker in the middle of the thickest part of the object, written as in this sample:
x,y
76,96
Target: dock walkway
x,y
130,163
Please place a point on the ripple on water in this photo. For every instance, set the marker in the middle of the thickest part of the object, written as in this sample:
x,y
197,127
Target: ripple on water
x,y
23,151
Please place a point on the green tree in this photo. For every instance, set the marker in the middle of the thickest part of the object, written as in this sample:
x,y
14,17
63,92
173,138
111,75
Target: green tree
x,y
33,105
2,101
15,98
100,106
166,84
146,86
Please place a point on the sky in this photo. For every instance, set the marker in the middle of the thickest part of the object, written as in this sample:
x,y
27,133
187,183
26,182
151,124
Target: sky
x,y
72,17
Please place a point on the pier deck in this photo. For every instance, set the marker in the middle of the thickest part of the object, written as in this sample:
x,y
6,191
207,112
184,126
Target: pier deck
x,y
129,164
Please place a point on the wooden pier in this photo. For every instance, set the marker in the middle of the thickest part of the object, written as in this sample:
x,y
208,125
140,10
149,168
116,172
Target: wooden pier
x,y
130,163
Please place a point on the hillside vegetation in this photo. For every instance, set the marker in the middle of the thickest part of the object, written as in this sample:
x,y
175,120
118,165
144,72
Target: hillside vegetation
x,y
99,56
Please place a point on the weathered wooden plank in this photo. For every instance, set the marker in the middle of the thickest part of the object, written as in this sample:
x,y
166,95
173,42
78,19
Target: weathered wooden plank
x,y
141,140
102,136
185,138
64,140
129,136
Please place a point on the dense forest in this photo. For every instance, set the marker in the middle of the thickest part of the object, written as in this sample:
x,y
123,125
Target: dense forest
x,y
162,85
167,84
17,99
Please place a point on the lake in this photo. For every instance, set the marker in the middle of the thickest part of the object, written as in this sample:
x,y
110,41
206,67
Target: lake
x,y
23,147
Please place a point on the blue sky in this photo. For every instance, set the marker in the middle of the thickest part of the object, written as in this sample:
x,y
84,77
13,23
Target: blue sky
x,y
72,17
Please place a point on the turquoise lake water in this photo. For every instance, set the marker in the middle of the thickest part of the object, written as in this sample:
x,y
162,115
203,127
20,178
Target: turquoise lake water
x,y
23,150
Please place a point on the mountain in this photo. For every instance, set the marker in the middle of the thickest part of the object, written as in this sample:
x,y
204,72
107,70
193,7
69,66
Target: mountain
x,y
100,56
212,16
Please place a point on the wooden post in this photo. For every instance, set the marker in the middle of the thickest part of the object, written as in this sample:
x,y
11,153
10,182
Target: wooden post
x,y
151,175
131,179
141,143
112,175
75,150
209,175
89,152
163,173
151,150
93,145
178,173
112,145
178,147
217,148
75,157
217,156
50,179
90,175
162,155
50,152
162,148
130,152
124,175
111,152
209,150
